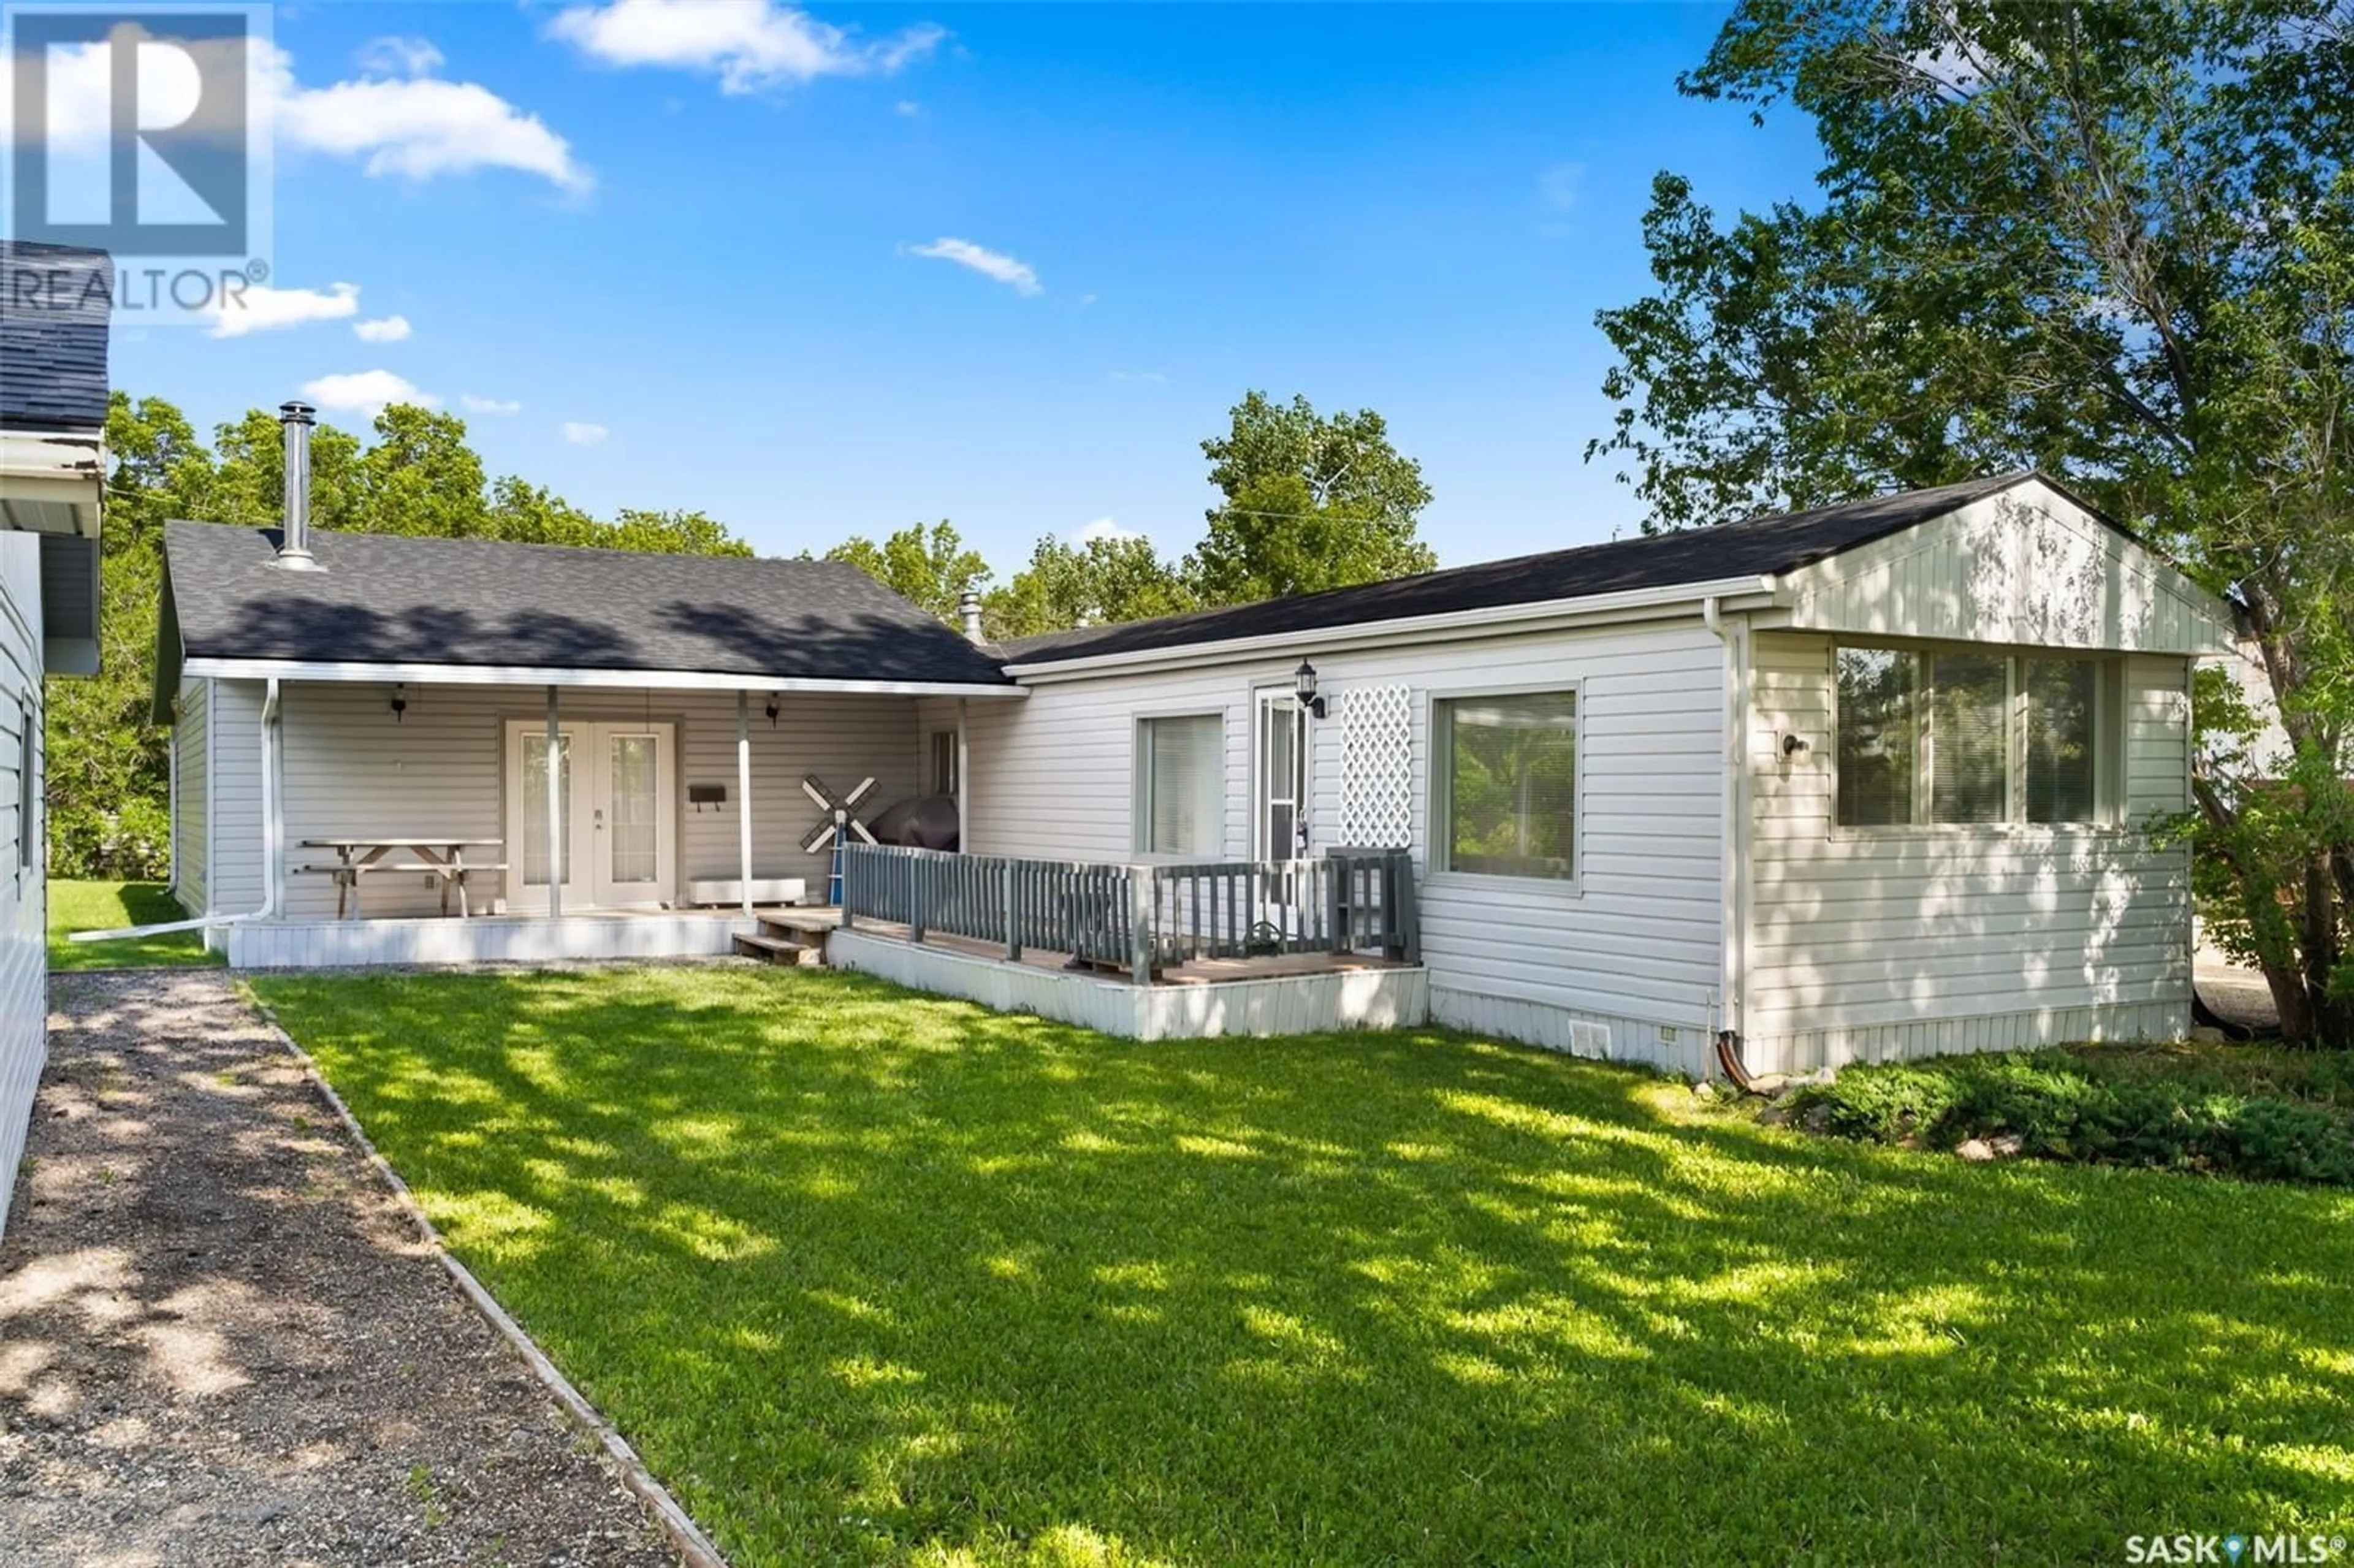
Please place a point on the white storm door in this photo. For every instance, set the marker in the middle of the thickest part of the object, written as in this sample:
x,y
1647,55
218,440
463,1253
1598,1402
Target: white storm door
x,y
526,846
1278,776
633,823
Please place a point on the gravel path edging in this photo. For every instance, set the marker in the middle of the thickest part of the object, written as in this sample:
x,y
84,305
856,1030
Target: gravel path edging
x,y
694,1547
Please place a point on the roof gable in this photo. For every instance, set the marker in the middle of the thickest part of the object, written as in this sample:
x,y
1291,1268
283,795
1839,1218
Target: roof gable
x,y
2029,565
398,600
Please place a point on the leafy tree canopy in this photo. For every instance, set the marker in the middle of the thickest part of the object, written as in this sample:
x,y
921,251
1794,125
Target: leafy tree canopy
x,y
1091,583
2115,241
927,566
1312,502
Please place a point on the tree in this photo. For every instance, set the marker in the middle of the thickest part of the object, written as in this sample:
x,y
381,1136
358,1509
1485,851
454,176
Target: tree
x,y
1092,582
928,567
109,771
1310,502
2115,241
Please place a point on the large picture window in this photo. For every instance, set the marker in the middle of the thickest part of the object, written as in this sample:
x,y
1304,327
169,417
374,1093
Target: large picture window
x,y
1967,737
1511,784
1181,786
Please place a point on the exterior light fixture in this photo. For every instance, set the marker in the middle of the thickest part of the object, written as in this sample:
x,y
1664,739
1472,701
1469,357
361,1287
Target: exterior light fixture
x,y
399,702
1303,683
773,710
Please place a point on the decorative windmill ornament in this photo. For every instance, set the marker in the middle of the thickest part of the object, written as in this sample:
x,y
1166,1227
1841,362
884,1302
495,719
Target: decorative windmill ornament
x,y
842,818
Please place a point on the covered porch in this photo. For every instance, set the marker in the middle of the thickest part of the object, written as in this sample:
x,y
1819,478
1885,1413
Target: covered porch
x,y
405,817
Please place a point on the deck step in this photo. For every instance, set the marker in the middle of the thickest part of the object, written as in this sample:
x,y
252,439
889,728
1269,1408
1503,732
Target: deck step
x,y
801,922
778,951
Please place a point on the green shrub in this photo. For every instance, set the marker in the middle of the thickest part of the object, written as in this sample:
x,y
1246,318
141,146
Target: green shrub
x,y
2096,1108
129,840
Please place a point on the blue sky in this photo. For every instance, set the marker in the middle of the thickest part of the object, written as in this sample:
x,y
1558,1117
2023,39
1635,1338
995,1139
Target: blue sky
x,y
697,241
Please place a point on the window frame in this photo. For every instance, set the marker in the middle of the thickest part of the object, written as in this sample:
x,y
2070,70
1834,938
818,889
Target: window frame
x,y
2107,740
1141,785
941,748
1438,773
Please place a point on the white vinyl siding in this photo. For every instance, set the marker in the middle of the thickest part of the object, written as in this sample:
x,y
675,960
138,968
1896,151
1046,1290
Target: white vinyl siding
x,y
1602,967
191,821
24,955
1870,943
233,870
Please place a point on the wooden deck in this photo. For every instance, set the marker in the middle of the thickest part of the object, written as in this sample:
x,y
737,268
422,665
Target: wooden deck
x,y
1302,993
1198,971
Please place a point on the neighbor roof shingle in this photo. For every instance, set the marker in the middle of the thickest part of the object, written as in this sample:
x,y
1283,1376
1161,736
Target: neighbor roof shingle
x,y
54,303
393,598
1760,548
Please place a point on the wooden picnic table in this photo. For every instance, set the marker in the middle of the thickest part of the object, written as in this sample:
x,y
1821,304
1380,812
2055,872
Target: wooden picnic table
x,y
437,856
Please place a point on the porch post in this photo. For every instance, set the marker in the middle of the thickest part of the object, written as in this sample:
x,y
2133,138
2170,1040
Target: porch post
x,y
744,798
555,811
963,781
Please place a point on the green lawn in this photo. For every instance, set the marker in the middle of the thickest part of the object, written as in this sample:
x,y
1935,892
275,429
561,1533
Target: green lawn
x,y
110,907
872,1276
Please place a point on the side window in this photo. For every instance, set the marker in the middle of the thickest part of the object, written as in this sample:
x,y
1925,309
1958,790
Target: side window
x,y
1180,785
1510,780
944,779
29,780
1959,737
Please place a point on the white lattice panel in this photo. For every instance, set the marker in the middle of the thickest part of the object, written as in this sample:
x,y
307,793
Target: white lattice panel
x,y
1376,766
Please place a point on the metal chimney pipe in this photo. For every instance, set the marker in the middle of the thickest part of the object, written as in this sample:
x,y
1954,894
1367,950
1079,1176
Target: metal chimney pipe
x,y
969,612
294,536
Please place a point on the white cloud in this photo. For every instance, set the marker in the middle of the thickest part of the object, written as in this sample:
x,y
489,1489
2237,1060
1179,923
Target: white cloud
x,y
1560,186
475,404
1017,275
584,435
411,124
400,57
384,329
908,107
424,126
1104,528
751,45
257,307
366,392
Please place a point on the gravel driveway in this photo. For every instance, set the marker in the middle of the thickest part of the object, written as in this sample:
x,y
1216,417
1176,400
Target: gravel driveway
x,y
221,1341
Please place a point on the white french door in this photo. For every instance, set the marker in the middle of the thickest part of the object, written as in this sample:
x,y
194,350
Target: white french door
x,y
617,816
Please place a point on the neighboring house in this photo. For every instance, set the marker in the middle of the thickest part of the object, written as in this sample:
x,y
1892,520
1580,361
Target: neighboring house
x,y
54,303
1857,782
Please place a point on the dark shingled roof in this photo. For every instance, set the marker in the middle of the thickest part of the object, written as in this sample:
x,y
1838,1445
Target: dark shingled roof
x,y
54,301
1760,548
392,598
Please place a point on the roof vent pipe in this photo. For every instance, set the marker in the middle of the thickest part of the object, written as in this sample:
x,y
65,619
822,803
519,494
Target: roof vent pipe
x,y
969,612
294,536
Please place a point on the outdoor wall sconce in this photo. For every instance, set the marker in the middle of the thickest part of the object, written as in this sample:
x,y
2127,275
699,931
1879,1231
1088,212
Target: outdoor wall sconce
x,y
1303,683
774,709
400,702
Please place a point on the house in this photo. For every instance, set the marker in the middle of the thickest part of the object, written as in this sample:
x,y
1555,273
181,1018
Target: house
x,y
54,303
1865,781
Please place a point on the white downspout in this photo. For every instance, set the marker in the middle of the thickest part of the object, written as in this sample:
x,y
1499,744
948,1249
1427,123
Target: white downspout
x,y
1737,833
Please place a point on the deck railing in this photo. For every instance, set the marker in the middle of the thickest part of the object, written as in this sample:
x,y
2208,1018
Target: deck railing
x,y
1142,918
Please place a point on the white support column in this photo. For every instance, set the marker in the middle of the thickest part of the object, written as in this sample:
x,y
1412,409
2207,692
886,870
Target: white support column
x,y
744,798
555,811
963,782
